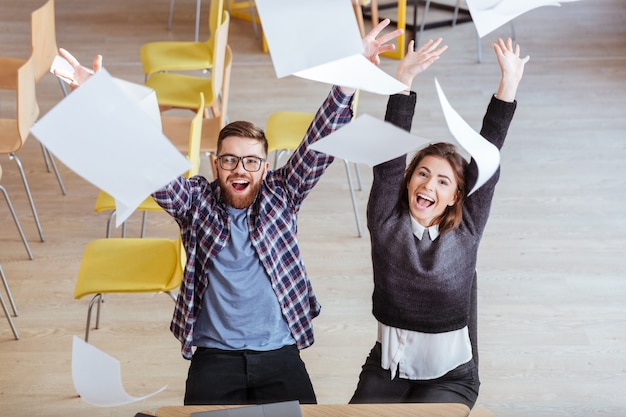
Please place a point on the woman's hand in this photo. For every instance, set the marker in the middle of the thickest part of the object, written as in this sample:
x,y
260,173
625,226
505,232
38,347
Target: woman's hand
x,y
511,67
416,62
374,47
81,74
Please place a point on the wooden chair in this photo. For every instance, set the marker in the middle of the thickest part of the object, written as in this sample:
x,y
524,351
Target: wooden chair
x,y
4,306
43,50
165,56
181,91
15,131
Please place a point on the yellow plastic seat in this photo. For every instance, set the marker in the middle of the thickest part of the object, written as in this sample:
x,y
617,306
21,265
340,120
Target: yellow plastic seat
x,y
15,131
191,129
286,129
128,265
181,91
162,56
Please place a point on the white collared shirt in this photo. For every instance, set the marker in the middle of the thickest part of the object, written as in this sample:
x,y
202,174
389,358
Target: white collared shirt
x,y
421,356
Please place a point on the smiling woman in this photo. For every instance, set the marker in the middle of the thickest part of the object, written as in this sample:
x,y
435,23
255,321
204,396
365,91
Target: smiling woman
x,y
424,297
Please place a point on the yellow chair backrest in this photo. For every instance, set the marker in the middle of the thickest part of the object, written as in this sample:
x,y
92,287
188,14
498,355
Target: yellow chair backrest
x,y
215,14
195,140
219,53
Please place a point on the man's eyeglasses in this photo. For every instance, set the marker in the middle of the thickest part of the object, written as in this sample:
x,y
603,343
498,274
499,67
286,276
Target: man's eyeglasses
x,y
250,163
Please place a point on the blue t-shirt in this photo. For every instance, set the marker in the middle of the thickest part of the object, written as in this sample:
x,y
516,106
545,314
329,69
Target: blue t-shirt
x,y
240,309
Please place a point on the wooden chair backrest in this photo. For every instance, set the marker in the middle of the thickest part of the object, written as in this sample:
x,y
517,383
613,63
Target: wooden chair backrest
x,y
43,38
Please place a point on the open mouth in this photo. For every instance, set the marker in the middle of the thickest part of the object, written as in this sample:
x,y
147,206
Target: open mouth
x,y
424,201
240,185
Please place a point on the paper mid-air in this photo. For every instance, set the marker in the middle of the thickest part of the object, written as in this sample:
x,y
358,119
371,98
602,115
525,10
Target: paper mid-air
x,y
488,15
320,40
108,131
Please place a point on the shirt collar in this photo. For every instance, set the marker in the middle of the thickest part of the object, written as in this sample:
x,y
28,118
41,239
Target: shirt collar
x,y
418,230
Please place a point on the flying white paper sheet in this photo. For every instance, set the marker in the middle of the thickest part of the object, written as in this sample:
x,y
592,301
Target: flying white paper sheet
x,y
102,132
97,377
369,140
488,15
311,39
354,71
485,154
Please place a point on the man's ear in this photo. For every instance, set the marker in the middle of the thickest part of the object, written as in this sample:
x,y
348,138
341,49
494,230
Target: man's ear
x,y
267,167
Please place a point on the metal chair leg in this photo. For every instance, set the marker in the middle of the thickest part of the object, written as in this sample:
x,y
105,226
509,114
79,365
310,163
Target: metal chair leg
x,y
354,205
96,299
253,18
421,31
28,193
358,176
4,306
171,16
55,169
17,222
143,223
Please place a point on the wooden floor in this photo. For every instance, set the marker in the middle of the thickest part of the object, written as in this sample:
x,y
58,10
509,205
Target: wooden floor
x,y
552,263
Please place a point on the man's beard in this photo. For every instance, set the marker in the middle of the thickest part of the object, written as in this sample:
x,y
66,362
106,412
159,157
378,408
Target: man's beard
x,y
240,201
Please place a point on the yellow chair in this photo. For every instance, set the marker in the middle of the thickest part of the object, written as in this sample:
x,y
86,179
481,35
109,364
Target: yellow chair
x,y
43,49
180,91
175,128
15,219
191,130
15,131
286,129
179,55
4,306
128,265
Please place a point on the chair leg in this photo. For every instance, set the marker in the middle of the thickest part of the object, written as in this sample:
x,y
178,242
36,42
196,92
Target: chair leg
x,y
49,157
96,299
28,193
17,222
455,16
4,306
424,17
479,49
358,176
253,18
143,223
197,34
354,205
171,16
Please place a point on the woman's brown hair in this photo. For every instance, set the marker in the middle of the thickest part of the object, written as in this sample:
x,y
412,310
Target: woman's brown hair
x,y
452,215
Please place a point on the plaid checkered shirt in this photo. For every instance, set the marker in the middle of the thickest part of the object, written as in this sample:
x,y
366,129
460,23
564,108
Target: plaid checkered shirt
x,y
200,211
